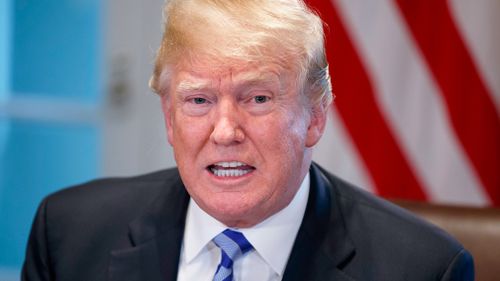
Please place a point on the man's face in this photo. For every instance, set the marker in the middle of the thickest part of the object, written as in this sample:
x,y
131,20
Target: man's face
x,y
241,138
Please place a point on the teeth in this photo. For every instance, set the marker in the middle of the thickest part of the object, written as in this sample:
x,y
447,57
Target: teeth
x,y
230,169
232,164
229,173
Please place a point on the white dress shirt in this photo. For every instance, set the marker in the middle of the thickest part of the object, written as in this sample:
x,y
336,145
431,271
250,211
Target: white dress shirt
x,y
272,240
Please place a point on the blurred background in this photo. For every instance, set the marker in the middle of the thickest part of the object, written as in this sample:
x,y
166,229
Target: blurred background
x,y
416,115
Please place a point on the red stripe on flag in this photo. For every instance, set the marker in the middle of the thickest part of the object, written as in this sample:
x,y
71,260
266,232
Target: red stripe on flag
x,y
470,106
358,109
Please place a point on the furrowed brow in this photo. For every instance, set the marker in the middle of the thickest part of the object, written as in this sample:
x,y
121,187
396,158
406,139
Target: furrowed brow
x,y
265,80
258,77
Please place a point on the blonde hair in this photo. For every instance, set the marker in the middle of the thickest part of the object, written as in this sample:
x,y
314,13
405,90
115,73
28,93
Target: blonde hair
x,y
229,31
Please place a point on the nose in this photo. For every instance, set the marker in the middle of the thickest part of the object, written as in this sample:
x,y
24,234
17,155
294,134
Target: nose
x,y
227,127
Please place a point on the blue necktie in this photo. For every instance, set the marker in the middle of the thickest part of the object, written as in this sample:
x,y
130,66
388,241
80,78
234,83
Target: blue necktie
x,y
233,245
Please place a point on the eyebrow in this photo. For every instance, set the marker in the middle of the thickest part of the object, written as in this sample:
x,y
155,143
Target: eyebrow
x,y
190,86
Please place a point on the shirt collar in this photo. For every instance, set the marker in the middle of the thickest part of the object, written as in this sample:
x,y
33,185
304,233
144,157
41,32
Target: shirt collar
x,y
272,238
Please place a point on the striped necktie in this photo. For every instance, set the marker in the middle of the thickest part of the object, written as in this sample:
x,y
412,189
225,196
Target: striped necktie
x,y
233,245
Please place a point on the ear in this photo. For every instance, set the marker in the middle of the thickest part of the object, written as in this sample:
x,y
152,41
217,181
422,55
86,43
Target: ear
x,y
316,125
167,115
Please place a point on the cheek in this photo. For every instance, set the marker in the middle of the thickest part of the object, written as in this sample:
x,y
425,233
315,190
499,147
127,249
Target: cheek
x,y
189,129
187,138
283,142
293,131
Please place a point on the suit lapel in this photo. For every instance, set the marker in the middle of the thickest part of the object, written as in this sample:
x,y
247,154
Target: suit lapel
x,y
322,247
156,239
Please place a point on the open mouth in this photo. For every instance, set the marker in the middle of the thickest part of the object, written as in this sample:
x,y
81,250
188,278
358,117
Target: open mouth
x,y
230,169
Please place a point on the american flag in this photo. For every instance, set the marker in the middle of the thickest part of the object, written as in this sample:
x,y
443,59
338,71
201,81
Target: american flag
x,y
417,85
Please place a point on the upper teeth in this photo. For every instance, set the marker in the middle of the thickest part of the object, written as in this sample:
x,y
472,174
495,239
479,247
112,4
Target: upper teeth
x,y
232,164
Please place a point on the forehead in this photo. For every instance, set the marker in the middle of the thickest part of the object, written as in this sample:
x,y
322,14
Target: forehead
x,y
201,73
188,81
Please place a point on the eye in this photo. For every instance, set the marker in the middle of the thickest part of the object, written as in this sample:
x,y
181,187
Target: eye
x,y
261,99
199,100
197,105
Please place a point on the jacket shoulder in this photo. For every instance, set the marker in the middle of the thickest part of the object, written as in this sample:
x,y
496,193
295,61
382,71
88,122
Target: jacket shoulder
x,y
114,191
79,226
391,240
105,206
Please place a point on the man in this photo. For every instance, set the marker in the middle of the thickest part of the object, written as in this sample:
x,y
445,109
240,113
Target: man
x,y
244,87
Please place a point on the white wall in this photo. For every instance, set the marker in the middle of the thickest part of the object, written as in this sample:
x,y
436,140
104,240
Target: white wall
x,y
134,133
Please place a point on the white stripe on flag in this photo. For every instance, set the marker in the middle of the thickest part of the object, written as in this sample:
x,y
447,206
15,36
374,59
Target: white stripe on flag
x,y
411,102
479,24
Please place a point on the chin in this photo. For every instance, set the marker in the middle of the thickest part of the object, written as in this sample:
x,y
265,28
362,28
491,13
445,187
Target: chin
x,y
235,214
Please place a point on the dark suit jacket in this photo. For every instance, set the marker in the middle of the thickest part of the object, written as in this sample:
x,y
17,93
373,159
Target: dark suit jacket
x,y
132,229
